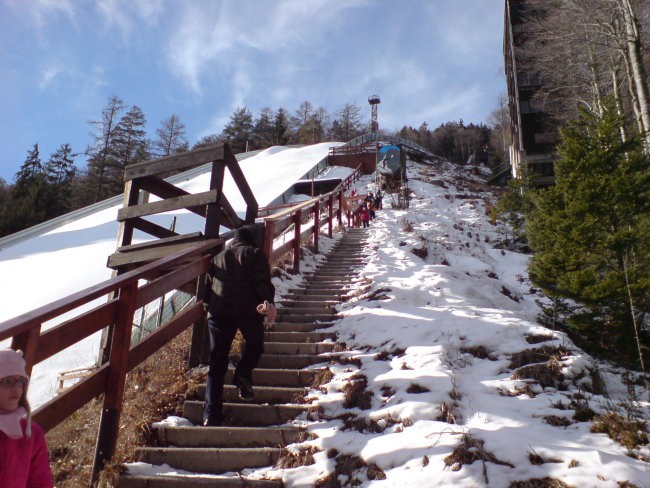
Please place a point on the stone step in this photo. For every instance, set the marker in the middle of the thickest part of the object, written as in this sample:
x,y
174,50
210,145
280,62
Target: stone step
x,y
263,394
248,414
285,361
282,377
301,327
333,275
350,268
330,280
229,436
293,310
302,337
204,481
332,292
336,289
302,303
306,318
298,348
209,460
314,298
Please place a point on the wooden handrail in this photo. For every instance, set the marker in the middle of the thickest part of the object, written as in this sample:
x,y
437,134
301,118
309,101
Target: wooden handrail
x,y
167,274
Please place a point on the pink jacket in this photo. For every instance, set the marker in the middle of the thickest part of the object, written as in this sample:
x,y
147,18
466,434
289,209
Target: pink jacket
x,y
24,462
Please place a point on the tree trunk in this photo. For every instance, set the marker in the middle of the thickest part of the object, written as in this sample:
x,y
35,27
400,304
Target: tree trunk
x,y
639,75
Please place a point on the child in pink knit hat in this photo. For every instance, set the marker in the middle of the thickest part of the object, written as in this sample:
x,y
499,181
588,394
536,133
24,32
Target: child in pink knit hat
x,y
23,453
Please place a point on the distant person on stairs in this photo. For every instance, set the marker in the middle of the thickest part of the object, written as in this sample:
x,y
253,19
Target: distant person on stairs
x,y
364,214
239,280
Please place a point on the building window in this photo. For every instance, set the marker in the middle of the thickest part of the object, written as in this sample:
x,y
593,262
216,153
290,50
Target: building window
x,y
544,138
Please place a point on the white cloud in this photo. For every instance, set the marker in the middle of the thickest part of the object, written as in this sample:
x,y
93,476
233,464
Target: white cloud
x,y
47,76
128,15
42,11
209,34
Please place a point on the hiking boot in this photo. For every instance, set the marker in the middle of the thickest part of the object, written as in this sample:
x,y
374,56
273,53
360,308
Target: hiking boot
x,y
245,388
213,421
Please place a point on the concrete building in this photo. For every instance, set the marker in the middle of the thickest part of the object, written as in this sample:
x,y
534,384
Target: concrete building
x,y
533,138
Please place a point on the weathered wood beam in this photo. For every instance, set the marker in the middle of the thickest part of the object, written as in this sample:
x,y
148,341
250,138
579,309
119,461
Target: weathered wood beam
x,y
177,162
119,259
161,188
242,184
151,228
177,203
193,236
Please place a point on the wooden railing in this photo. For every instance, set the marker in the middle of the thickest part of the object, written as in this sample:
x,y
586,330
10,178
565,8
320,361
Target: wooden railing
x,y
124,294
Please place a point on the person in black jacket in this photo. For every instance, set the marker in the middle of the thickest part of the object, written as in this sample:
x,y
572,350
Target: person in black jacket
x,y
239,281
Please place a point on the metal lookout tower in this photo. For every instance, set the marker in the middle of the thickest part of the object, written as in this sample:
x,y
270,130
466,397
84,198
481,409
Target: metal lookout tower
x,y
373,100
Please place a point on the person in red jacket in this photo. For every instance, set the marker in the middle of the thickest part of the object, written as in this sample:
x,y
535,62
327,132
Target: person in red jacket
x,y
364,214
24,459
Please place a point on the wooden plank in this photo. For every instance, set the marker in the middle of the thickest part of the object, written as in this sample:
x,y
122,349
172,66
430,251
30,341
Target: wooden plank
x,y
63,406
117,260
214,215
242,184
282,250
177,203
177,162
288,212
165,190
151,228
72,331
28,343
118,367
154,341
269,234
296,241
229,213
131,194
193,236
172,281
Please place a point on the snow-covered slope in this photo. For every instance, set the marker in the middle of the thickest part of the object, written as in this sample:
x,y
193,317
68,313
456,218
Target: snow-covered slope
x,y
444,343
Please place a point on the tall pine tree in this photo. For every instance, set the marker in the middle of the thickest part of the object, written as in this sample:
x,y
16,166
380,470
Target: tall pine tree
x,y
239,130
102,152
61,171
590,233
171,138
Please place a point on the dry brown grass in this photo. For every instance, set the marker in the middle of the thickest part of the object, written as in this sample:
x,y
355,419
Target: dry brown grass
x,y
540,483
536,355
548,375
154,390
349,471
629,433
303,457
471,450
479,352
355,393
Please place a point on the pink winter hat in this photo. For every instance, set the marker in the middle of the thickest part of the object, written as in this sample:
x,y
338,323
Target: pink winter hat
x,y
12,363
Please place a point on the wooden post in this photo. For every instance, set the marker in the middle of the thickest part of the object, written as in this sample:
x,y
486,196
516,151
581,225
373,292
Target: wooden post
x,y
124,238
27,342
316,225
109,422
296,241
339,212
330,214
269,230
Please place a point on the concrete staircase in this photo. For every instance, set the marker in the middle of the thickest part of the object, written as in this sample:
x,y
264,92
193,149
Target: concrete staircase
x,y
255,434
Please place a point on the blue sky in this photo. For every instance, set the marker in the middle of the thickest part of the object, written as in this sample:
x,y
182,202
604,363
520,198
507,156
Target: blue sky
x,y
60,61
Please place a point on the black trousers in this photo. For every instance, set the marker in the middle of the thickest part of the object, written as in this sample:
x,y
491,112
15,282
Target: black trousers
x,y
222,332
